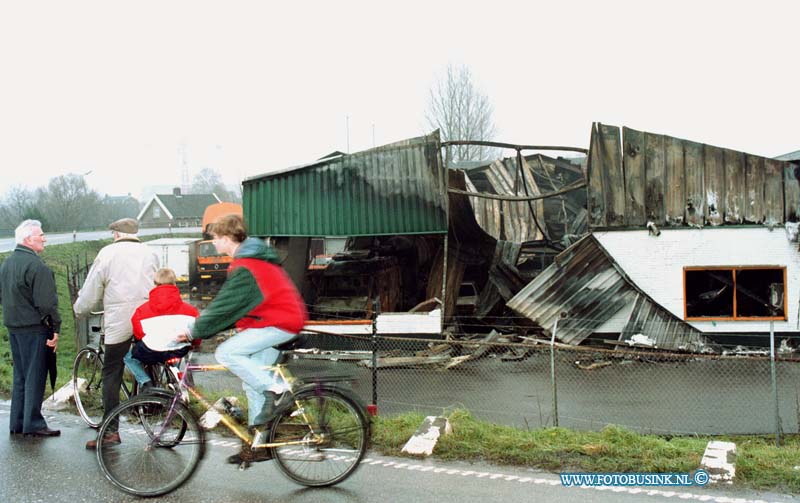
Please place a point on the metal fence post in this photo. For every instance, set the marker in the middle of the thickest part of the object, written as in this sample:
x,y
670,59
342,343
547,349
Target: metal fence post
x,y
773,372
553,372
373,407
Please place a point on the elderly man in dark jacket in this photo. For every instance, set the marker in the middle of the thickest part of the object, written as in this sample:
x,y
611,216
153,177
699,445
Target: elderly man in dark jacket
x,y
30,303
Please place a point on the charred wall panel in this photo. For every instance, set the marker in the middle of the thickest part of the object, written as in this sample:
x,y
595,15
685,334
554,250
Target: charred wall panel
x,y
487,211
735,187
596,198
773,192
654,166
613,177
677,182
693,169
791,187
755,209
714,184
675,199
517,220
633,158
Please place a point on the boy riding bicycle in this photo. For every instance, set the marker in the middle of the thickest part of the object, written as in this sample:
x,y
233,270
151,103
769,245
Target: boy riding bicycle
x,y
261,300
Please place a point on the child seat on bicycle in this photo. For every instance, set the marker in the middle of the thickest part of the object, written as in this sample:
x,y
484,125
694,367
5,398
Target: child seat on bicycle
x,y
164,309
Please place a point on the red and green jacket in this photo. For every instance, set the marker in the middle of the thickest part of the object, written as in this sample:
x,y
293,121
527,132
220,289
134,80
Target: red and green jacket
x,y
258,293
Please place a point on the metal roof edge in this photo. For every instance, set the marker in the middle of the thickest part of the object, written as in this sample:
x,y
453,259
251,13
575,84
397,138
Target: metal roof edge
x,y
406,143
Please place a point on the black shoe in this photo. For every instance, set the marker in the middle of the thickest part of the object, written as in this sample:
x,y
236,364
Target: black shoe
x,y
250,456
108,439
280,400
44,432
146,387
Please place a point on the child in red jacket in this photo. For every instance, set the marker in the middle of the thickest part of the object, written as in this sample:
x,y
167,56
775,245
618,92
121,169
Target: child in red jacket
x,y
154,325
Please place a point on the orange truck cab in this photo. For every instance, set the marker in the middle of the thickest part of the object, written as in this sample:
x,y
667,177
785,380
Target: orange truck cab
x,y
212,268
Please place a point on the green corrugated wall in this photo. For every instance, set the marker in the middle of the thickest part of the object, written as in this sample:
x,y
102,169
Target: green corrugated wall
x,y
394,189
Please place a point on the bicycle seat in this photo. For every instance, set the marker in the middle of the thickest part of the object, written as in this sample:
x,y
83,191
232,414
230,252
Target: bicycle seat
x,y
298,341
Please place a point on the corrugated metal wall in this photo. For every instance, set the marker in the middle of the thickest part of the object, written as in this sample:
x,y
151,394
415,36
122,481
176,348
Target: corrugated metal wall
x,y
513,221
585,285
393,189
636,177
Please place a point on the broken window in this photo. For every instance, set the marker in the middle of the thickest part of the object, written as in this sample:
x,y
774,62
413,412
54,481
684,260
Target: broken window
x,y
744,293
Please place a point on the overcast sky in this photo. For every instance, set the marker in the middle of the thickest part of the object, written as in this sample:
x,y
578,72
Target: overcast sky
x,y
132,91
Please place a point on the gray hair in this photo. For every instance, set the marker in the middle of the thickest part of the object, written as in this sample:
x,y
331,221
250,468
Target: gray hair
x,y
25,230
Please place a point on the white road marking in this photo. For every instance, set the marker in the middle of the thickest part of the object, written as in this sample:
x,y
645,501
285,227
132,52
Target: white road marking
x,y
556,482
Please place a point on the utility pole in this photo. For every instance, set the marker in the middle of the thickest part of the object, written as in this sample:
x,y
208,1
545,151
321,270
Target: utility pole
x,y
185,182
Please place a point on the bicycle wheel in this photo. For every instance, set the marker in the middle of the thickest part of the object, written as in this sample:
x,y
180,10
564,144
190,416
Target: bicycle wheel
x,y
148,461
87,381
327,434
129,385
167,439
162,377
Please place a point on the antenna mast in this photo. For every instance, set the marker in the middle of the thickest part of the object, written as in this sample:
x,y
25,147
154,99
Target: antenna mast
x,y
185,183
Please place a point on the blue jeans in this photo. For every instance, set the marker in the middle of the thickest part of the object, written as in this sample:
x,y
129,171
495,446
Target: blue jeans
x,y
136,367
244,355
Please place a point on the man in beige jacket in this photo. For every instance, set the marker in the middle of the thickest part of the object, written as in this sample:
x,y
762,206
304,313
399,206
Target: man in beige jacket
x,y
120,278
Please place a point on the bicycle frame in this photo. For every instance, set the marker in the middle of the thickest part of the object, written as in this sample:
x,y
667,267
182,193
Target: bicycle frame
x,y
186,383
320,424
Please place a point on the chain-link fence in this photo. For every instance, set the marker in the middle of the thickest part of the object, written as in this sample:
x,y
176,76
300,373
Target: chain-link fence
x,y
531,384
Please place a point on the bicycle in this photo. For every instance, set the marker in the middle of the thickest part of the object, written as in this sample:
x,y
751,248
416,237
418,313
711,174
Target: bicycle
x,y
318,436
87,380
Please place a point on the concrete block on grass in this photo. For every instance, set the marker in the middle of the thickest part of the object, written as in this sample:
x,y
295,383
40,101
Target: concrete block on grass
x,y
424,439
719,460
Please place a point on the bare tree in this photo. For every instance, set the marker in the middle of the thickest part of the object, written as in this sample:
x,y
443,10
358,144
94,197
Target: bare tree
x,y
209,181
68,202
461,112
18,205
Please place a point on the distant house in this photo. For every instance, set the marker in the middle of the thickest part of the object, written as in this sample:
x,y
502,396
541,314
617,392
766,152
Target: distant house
x,y
175,210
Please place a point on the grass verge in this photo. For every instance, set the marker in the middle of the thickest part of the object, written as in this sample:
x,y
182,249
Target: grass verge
x,y
760,464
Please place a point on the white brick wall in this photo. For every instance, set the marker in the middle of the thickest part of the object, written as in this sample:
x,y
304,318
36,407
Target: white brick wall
x,y
655,264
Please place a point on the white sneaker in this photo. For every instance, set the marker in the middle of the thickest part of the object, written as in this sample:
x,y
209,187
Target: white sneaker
x,y
258,438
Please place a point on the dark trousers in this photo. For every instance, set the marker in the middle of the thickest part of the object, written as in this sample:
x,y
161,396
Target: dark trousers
x,y
113,367
30,373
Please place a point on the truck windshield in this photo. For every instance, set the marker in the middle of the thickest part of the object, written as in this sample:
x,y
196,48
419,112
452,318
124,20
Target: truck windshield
x,y
207,249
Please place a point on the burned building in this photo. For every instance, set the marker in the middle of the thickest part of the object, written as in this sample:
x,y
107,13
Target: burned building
x,y
415,241
690,244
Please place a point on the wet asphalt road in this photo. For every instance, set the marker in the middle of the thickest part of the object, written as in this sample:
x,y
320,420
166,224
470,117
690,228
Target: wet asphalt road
x,y
60,469
8,244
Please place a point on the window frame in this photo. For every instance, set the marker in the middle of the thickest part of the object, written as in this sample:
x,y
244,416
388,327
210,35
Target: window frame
x,y
735,316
